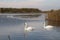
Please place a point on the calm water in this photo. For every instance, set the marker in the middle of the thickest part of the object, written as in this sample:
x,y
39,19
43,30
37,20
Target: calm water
x,y
14,26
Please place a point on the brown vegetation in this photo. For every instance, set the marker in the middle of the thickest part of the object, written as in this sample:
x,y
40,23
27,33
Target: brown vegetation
x,y
19,10
54,18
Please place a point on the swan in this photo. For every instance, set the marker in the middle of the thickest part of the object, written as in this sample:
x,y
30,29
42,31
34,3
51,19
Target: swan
x,y
47,26
28,28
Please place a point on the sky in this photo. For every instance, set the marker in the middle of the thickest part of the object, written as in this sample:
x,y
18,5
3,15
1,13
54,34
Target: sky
x,y
40,4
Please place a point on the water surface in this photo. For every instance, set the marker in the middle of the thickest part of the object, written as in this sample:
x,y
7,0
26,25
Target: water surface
x,y
14,27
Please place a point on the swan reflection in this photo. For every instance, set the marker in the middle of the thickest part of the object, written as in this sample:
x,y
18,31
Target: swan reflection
x,y
9,16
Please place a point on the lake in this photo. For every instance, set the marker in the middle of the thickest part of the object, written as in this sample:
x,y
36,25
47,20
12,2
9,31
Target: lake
x,y
13,26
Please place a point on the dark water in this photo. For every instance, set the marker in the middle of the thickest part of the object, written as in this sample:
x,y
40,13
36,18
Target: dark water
x,y
14,27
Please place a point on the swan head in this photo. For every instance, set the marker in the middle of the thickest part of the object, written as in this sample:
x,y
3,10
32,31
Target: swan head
x,y
25,23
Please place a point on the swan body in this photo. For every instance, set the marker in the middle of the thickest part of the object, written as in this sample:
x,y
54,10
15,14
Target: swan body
x,y
28,28
48,27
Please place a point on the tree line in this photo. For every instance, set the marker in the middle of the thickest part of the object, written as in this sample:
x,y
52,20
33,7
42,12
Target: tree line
x,y
19,10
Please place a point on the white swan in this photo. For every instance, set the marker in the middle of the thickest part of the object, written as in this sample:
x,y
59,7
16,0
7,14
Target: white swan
x,y
48,27
28,28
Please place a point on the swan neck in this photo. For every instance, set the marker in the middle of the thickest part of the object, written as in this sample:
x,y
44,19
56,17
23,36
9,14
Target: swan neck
x,y
25,25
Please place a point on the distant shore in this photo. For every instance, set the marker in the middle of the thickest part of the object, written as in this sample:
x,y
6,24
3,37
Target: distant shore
x,y
20,10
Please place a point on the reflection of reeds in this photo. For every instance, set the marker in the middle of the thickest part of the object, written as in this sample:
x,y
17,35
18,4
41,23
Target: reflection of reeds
x,y
54,23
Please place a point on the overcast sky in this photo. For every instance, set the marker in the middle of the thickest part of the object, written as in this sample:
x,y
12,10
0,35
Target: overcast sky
x,y
41,4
